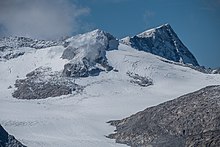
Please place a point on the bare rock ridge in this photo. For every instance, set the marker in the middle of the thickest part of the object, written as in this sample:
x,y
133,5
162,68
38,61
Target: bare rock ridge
x,y
17,42
164,42
7,140
190,120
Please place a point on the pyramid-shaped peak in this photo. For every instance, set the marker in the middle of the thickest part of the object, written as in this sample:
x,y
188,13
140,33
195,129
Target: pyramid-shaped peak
x,y
164,42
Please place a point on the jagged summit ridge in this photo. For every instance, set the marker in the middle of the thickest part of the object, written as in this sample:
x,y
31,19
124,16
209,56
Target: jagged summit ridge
x,y
164,42
15,42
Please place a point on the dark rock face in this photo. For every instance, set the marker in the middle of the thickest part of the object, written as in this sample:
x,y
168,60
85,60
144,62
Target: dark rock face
x,y
215,70
41,83
7,140
11,55
164,42
190,120
140,80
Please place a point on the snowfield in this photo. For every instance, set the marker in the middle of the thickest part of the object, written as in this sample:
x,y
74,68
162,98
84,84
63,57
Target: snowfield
x,y
80,120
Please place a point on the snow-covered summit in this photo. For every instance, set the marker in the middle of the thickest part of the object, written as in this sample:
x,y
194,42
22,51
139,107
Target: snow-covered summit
x,y
164,42
86,53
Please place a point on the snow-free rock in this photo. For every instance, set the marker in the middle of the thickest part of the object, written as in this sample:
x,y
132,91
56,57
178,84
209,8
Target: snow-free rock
x,y
190,120
87,53
43,83
164,42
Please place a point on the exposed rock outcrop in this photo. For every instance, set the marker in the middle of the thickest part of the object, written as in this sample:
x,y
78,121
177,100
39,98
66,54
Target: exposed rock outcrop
x,y
43,83
190,120
140,80
17,42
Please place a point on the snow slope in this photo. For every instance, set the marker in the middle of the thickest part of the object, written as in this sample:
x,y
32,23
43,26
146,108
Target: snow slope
x,y
80,120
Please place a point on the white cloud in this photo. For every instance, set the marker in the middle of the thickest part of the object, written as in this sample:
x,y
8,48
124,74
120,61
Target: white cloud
x,y
47,19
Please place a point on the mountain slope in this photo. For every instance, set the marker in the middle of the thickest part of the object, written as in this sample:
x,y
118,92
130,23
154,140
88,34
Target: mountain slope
x,y
190,120
79,119
164,42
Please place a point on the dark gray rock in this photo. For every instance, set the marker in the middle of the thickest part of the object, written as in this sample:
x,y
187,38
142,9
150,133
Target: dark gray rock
x,y
7,140
75,70
11,55
140,80
164,42
190,120
215,70
42,83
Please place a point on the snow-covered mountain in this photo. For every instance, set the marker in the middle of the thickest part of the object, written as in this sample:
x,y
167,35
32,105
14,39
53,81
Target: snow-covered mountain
x,y
12,47
164,42
42,105
87,53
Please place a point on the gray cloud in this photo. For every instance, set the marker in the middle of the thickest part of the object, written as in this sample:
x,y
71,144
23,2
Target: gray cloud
x,y
47,19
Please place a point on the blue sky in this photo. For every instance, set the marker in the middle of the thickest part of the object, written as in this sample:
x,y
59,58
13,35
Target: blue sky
x,y
196,22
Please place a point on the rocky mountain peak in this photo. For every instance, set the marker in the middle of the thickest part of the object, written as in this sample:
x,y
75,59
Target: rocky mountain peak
x,y
164,42
86,53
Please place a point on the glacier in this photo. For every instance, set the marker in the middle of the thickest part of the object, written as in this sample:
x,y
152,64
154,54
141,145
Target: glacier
x,y
79,119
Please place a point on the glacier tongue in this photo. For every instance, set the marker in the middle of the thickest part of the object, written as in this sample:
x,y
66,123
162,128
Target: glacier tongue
x,y
87,53
164,42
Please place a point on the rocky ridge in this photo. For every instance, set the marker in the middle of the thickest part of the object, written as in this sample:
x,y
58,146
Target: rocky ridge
x,y
43,83
12,47
190,120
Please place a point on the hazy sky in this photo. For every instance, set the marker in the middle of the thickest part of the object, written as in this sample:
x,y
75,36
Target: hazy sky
x,y
196,22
